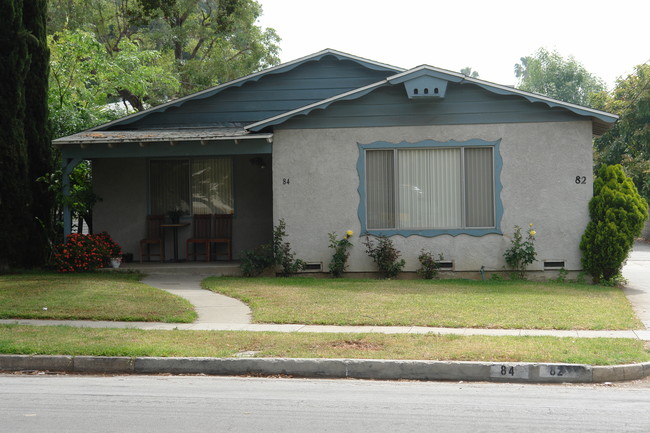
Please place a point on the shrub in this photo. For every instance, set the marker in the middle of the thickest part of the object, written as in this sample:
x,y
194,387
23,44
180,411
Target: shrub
x,y
340,257
617,213
85,252
522,252
277,253
253,262
385,255
429,266
282,254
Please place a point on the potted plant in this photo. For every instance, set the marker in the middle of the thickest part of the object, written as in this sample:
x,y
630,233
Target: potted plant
x,y
175,215
112,250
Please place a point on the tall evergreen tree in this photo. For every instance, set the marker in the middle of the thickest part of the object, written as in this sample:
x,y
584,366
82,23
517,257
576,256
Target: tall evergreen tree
x,y
14,187
37,134
23,119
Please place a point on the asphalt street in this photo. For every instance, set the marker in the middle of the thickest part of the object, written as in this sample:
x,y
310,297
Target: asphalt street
x,y
195,404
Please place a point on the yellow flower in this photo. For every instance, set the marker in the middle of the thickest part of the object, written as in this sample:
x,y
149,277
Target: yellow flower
x,y
530,225
532,232
349,233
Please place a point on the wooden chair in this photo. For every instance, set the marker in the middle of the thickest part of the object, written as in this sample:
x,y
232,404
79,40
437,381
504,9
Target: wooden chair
x,y
201,236
222,233
155,236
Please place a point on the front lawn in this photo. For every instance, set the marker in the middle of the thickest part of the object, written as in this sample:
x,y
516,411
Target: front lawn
x,y
65,340
89,296
440,303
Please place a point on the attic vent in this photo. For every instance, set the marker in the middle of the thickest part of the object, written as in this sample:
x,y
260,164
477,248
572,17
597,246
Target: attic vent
x,y
553,264
448,265
426,87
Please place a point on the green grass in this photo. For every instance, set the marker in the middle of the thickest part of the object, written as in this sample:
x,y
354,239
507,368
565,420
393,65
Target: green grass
x,y
54,340
444,303
89,296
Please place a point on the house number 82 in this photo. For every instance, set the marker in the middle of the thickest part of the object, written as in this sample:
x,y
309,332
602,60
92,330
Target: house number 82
x,y
581,180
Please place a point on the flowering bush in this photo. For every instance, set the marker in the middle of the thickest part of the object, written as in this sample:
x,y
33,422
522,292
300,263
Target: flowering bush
x,y
340,257
429,265
85,252
385,255
522,252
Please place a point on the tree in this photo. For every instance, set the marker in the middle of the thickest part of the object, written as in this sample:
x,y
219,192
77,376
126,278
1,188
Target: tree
x,y
37,133
548,73
617,214
85,79
469,72
628,141
23,131
202,42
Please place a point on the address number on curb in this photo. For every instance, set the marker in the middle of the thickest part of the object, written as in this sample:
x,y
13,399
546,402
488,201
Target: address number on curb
x,y
560,371
510,371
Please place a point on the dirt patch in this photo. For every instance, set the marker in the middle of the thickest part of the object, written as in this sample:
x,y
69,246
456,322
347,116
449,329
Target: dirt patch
x,y
356,345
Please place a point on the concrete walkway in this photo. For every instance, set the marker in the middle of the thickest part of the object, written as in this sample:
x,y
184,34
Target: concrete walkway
x,y
211,307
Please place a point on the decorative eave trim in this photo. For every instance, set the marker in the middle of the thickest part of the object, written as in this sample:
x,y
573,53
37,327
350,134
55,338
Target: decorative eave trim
x,y
602,119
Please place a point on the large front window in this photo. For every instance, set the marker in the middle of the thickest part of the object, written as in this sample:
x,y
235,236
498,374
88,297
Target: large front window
x,y
197,186
419,187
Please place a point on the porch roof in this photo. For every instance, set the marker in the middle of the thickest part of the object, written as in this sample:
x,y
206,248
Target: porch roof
x,y
202,135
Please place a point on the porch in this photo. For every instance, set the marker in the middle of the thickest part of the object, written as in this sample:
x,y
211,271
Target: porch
x,y
221,268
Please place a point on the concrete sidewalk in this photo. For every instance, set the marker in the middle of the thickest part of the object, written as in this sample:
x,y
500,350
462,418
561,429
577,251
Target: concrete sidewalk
x,y
641,334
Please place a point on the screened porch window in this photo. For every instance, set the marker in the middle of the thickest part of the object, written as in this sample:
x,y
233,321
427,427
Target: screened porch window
x,y
197,186
430,188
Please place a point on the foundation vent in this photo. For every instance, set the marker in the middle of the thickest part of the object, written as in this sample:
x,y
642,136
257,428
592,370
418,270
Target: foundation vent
x,y
551,265
313,267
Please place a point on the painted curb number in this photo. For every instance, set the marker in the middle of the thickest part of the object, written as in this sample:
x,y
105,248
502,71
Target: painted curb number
x,y
560,371
510,371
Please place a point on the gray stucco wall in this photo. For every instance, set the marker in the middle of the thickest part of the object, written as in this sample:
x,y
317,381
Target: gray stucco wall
x,y
123,184
315,190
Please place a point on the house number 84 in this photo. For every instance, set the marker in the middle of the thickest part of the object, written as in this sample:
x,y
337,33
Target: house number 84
x,y
285,181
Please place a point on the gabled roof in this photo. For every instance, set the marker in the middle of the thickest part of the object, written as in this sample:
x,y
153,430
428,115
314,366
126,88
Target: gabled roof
x,y
602,121
279,69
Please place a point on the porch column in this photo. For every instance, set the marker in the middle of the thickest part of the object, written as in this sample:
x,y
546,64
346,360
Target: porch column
x,y
68,164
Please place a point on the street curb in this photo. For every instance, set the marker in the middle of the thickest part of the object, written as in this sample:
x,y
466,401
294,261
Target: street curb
x,y
331,368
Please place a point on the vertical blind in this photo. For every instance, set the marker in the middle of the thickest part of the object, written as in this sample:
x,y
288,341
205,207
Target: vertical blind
x,y
479,187
430,188
380,189
200,186
169,185
212,191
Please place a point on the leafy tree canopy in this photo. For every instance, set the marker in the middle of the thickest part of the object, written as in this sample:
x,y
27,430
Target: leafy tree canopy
x,y
201,42
628,141
469,72
548,73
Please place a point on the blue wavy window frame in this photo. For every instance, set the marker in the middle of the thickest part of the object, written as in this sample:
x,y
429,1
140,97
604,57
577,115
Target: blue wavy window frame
x,y
377,145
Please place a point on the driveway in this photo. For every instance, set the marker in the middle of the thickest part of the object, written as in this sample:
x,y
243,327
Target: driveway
x,y
637,272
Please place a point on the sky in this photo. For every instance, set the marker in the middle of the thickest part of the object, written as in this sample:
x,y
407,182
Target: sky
x,y
607,37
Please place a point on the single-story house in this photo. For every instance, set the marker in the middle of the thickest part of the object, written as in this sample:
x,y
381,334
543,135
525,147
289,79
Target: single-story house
x,y
332,142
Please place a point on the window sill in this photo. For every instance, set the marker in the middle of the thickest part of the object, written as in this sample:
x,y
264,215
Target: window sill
x,y
429,233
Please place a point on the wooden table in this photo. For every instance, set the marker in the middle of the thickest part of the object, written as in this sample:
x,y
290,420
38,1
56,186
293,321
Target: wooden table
x,y
174,227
